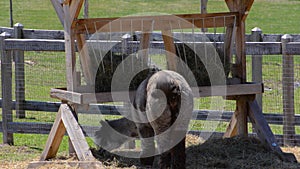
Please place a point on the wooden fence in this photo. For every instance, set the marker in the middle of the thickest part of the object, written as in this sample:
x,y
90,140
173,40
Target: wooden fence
x,y
14,41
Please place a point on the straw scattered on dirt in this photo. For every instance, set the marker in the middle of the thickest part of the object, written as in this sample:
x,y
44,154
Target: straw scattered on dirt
x,y
236,152
228,153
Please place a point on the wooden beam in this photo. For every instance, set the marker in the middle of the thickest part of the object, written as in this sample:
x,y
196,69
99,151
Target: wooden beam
x,y
88,65
231,129
75,8
247,10
76,135
144,47
58,6
136,23
239,6
171,56
6,84
69,50
238,124
265,133
66,122
87,96
55,137
63,164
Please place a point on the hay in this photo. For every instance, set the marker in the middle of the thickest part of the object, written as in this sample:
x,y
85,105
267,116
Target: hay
x,y
197,60
215,153
208,64
108,66
231,153
236,152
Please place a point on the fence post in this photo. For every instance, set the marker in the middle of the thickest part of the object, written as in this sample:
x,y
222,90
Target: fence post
x,y
203,10
256,36
19,74
86,9
288,92
6,79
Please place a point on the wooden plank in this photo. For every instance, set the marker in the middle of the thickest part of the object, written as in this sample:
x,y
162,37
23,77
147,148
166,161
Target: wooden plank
x,y
240,61
231,129
263,48
264,131
293,48
171,57
44,128
288,93
35,45
86,98
241,116
256,36
29,127
135,23
59,10
19,75
76,135
65,95
144,46
55,137
37,105
252,48
43,34
25,127
63,164
36,33
88,65
108,97
248,5
203,10
218,37
229,90
228,46
6,84
75,8
239,124
69,50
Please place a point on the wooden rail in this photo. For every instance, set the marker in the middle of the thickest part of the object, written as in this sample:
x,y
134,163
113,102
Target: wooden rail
x,y
252,48
52,107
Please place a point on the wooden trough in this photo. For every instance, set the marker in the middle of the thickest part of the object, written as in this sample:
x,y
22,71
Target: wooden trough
x,y
80,94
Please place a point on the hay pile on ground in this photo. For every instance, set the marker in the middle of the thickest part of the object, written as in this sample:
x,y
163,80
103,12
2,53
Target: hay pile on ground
x,y
231,153
236,152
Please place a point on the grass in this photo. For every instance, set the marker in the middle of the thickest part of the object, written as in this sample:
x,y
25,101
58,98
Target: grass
x,y
272,16
47,69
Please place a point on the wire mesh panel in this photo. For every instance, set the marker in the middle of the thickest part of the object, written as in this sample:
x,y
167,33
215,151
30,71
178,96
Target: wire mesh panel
x,y
118,54
187,47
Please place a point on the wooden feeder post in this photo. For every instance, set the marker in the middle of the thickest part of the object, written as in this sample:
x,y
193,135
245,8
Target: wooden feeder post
x,y
238,124
66,119
246,105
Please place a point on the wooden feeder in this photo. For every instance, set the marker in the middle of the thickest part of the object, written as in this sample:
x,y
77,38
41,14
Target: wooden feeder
x,y
80,94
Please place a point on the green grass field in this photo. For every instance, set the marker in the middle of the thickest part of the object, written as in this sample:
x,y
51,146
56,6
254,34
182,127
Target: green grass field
x,y
48,68
272,16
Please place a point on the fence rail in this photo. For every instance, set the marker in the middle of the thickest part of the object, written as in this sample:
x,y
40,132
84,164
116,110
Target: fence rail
x,y
19,39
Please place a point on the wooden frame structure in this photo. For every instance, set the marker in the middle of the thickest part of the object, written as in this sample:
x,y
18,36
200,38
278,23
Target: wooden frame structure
x,y
76,94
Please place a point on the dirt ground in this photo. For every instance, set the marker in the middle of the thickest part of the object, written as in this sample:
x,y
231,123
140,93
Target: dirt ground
x,y
215,153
